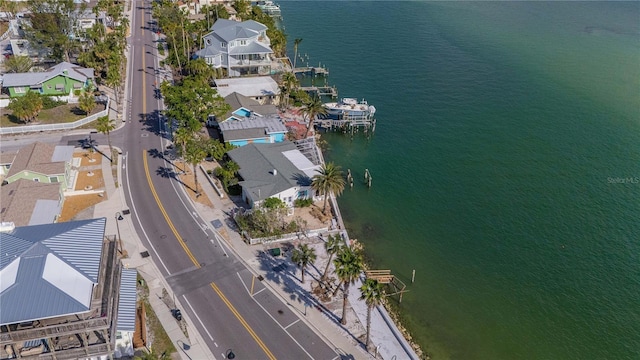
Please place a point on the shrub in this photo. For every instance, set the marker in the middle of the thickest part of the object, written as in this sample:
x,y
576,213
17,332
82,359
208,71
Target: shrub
x,y
49,102
160,48
300,203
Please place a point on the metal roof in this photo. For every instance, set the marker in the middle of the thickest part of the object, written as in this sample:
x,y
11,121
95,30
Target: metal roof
x,y
268,125
250,86
75,72
127,303
49,270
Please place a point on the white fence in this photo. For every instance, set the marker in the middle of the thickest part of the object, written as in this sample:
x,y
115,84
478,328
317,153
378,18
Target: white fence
x,y
53,127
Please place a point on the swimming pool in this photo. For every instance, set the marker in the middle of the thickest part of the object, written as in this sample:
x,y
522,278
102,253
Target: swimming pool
x,y
242,112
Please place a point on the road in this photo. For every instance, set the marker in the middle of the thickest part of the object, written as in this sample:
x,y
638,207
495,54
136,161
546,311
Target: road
x,y
230,309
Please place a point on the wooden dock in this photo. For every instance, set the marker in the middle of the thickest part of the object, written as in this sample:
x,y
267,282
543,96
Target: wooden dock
x,y
311,71
320,90
349,124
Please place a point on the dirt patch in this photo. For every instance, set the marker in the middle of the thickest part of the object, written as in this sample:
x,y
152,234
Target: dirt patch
x,y
86,158
89,180
73,205
190,185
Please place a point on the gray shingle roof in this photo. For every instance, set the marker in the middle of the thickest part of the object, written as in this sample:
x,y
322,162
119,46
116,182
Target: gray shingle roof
x,y
39,157
75,72
49,270
22,202
257,162
236,101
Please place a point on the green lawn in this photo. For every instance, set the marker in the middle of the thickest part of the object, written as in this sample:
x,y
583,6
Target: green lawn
x,y
61,114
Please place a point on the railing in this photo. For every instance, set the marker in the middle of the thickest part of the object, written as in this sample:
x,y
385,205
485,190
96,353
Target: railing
x,y
53,127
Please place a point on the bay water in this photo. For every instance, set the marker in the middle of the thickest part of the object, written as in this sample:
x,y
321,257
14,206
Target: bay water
x,y
505,166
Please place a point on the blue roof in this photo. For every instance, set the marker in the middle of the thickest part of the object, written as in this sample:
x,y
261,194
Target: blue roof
x,y
49,270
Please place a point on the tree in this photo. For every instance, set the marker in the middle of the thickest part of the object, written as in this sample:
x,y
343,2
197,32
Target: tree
x,y
201,68
332,245
289,82
312,108
182,137
296,42
51,26
191,101
329,179
372,293
195,154
302,256
86,102
27,107
349,265
105,126
18,64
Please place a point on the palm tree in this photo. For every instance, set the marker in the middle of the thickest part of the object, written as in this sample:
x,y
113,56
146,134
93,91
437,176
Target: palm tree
x,y
312,109
86,102
303,256
182,136
296,42
289,82
332,245
195,154
105,126
329,179
349,265
372,293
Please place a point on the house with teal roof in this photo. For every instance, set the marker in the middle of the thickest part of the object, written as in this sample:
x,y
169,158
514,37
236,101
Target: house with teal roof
x,y
64,79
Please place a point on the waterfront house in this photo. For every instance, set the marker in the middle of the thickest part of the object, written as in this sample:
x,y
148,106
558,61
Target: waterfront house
x,y
242,48
249,122
26,202
262,89
277,170
62,80
45,163
64,293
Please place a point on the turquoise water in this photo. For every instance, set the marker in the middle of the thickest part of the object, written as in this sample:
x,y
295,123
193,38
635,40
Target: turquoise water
x,y
505,165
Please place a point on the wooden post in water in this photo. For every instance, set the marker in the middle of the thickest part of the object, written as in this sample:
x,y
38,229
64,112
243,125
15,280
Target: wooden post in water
x,y
413,276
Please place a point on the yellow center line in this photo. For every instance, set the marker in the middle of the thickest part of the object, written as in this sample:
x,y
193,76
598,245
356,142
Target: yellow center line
x,y
197,264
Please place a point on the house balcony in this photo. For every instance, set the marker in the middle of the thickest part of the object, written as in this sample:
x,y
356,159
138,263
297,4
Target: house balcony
x,y
250,62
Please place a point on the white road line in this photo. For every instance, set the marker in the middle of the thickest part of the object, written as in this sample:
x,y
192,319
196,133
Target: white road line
x,y
293,323
215,343
272,318
259,291
198,317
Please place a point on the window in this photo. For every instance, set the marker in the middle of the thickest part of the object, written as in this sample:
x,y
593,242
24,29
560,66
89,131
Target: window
x,y
243,42
20,90
36,180
53,179
208,41
223,45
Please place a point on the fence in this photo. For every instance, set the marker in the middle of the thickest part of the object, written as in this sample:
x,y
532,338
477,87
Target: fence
x,y
53,127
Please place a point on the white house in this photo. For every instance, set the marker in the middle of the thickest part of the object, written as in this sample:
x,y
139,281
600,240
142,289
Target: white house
x,y
277,170
262,89
242,48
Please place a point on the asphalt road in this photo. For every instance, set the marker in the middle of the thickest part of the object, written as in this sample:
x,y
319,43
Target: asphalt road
x,y
209,279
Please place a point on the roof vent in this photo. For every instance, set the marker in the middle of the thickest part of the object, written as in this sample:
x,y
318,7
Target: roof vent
x,y
7,226
274,172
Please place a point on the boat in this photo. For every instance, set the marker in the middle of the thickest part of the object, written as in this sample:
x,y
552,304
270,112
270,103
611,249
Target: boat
x,y
269,7
349,108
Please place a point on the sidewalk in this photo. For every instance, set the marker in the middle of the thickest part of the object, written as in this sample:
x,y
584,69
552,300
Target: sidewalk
x,y
385,337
